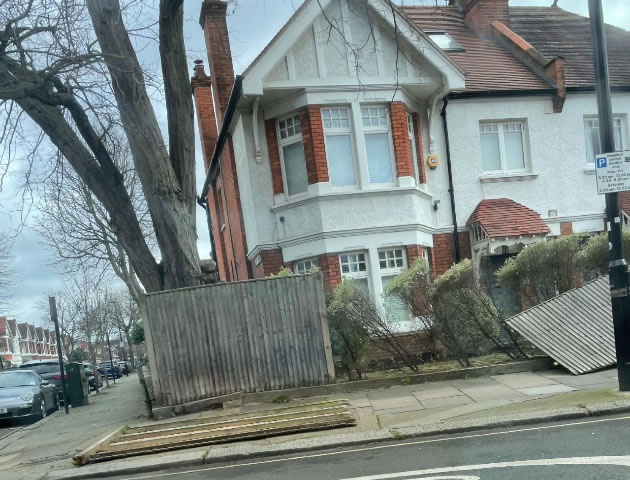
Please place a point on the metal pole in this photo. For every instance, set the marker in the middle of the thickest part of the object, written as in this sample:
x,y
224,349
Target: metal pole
x,y
111,361
617,267
53,315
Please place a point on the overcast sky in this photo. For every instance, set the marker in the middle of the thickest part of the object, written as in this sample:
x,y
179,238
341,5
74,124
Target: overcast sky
x,y
252,24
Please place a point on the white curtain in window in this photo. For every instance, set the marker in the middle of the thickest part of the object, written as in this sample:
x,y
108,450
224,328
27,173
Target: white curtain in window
x,y
378,157
395,310
617,134
514,159
490,155
339,154
592,143
295,168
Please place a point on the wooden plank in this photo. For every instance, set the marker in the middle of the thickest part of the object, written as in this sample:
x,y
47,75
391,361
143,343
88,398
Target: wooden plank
x,y
325,332
149,343
84,456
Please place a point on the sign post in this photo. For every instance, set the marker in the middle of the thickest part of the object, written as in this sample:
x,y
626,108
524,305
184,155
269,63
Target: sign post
x,y
52,303
612,177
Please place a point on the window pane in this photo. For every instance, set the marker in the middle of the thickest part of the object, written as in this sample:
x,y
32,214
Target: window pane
x,y
295,168
340,164
379,157
618,136
592,142
490,156
444,41
363,285
514,159
395,310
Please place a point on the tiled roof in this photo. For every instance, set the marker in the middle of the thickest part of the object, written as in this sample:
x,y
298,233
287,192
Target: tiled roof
x,y
12,324
556,32
550,30
23,327
3,325
502,217
487,65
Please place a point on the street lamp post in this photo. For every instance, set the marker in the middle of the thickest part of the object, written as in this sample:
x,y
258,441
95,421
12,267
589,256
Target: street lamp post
x,y
617,266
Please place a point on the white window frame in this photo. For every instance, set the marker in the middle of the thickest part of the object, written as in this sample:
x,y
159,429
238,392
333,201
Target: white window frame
x,y
386,128
335,131
304,265
285,142
388,270
458,48
414,148
359,274
590,156
524,141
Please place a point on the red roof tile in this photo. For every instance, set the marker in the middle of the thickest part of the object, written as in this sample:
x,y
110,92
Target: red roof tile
x,y
3,325
487,65
502,217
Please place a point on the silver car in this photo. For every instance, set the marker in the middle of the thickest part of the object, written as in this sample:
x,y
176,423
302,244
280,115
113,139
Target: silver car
x,y
24,393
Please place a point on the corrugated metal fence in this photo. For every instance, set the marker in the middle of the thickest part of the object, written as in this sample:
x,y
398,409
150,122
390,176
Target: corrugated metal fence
x,y
246,336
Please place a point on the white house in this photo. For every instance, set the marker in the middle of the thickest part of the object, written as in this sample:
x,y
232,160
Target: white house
x,y
364,136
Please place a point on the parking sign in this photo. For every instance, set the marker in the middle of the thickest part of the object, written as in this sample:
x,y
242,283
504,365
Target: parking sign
x,y
612,172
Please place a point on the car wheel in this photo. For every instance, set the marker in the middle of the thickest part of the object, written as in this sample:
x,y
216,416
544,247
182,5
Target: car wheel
x,y
56,400
42,409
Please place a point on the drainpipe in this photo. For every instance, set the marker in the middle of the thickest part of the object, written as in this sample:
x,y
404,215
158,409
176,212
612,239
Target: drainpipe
x,y
451,191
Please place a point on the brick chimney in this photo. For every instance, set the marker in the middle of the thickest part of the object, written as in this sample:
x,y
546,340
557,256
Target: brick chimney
x,y
214,23
206,119
481,13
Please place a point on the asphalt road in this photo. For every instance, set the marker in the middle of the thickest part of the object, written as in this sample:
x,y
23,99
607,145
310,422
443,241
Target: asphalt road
x,y
580,450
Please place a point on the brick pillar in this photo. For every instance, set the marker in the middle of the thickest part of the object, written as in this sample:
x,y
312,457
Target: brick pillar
x,y
419,150
481,13
214,24
274,156
404,167
331,271
413,252
566,228
314,146
270,262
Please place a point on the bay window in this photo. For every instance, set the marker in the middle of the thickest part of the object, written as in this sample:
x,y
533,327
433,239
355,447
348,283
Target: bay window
x,y
391,263
378,149
502,147
292,155
338,141
304,266
354,266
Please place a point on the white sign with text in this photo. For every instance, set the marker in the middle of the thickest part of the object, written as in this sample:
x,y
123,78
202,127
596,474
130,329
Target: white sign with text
x,y
613,172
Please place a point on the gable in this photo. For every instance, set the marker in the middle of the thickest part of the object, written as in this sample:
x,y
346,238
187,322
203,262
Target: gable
x,y
348,41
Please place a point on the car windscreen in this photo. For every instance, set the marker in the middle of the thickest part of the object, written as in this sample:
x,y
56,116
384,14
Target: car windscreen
x,y
17,379
43,368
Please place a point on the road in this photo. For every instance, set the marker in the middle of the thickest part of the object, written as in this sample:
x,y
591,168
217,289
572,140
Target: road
x,y
579,450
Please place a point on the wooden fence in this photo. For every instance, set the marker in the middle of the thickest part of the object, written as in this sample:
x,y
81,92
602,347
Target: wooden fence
x,y
245,336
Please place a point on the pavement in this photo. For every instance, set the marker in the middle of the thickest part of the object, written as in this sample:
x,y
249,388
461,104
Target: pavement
x,y
580,450
401,412
30,450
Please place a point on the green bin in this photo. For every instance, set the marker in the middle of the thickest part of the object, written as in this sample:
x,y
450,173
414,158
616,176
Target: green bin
x,y
77,384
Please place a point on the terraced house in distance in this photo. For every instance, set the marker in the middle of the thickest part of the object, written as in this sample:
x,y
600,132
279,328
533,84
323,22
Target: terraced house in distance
x,y
365,135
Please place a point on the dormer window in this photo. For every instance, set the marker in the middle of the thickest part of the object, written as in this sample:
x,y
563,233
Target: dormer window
x,y
444,40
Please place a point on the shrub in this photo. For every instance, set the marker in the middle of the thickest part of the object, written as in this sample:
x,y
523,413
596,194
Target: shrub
x,y
593,258
137,333
543,269
283,272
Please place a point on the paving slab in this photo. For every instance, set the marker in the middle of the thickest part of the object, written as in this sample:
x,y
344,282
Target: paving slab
x,y
437,393
408,401
492,392
360,403
524,380
546,390
447,401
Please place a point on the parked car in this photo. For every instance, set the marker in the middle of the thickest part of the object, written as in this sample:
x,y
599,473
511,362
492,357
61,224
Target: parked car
x,y
25,393
111,371
125,367
93,380
49,370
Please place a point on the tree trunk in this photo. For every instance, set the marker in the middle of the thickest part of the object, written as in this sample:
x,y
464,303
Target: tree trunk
x,y
170,203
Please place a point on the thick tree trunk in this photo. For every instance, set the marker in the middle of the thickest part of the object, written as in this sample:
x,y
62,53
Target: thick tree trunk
x,y
170,203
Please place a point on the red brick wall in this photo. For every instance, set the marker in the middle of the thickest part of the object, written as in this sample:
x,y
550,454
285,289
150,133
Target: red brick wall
x,y
206,120
274,156
404,167
219,54
314,147
413,252
442,255
329,266
566,228
480,14
271,262
419,151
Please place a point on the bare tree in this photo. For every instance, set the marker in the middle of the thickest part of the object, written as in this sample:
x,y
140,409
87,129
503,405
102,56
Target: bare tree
x,y
7,271
61,63
67,318
125,315
78,228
